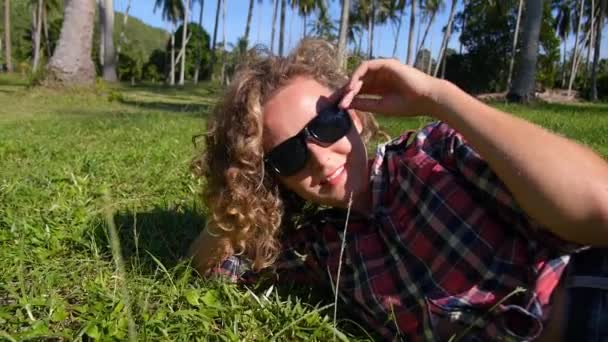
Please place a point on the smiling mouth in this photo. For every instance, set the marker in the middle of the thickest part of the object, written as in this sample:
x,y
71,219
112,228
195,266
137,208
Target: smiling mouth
x,y
333,177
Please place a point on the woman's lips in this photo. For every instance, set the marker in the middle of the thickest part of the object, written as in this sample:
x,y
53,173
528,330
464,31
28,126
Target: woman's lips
x,y
335,177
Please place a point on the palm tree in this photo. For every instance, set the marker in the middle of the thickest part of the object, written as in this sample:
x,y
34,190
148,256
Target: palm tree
x,y
248,23
522,88
563,26
106,16
182,71
446,37
217,19
410,41
36,31
172,11
431,8
513,50
71,63
7,36
342,35
274,24
596,54
282,28
576,50
305,7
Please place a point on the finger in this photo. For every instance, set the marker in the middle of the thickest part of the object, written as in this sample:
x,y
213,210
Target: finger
x,y
385,105
365,68
337,96
348,97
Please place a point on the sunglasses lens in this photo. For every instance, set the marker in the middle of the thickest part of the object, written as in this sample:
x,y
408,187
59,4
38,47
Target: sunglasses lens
x,y
289,157
330,125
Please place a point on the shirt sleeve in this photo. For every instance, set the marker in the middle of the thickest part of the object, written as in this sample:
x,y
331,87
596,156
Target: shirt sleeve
x,y
451,149
296,263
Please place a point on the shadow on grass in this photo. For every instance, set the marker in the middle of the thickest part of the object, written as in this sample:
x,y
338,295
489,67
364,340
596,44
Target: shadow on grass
x,y
162,233
199,108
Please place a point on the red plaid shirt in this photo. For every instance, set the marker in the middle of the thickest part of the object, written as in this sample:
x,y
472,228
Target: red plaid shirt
x,y
446,242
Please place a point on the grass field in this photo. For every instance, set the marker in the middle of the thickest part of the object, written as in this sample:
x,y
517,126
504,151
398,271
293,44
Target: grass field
x,y
73,164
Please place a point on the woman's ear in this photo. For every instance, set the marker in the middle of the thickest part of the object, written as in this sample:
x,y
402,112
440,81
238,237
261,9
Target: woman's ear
x,y
356,120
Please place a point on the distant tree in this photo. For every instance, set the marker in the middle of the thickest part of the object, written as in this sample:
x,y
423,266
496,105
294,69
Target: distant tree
x,y
430,9
524,84
71,63
198,46
172,11
446,37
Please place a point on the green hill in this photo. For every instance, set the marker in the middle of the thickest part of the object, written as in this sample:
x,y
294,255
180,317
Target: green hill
x,y
137,32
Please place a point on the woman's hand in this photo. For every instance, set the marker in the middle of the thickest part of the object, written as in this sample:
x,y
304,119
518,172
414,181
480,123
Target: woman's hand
x,y
386,86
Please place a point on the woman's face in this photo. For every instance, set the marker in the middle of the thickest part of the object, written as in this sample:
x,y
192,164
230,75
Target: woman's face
x,y
331,172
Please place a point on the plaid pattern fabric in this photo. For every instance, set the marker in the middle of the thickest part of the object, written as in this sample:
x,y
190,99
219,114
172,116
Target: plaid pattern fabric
x,y
446,243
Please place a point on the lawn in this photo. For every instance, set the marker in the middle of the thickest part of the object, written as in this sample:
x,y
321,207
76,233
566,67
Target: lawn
x,y
82,173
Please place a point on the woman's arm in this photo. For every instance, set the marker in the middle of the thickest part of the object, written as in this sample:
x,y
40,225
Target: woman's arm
x,y
559,183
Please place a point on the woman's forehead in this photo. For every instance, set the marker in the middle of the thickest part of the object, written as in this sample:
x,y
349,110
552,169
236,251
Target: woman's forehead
x,y
292,107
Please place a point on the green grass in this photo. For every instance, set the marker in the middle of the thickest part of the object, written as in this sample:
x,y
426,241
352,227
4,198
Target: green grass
x,y
75,164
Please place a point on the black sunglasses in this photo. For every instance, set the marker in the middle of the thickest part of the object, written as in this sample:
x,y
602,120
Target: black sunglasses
x,y
291,156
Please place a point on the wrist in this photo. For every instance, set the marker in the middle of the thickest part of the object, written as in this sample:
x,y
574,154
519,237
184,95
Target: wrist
x,y
441,91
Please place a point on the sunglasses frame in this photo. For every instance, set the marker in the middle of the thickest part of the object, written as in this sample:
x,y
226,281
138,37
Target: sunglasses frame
x,y
305,135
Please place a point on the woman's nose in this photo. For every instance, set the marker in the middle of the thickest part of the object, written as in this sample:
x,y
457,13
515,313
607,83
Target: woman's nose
x,y
319,155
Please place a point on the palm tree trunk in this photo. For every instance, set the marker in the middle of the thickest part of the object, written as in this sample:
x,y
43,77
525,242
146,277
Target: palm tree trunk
x,y
214,44
8,56
564,67
410,41
523,86
282,28
372,29
589,45
342,37
514,49
248,24
274,24
596,52
182,71
304,35
398,31
426,30
446,38
38,36
101,32
223,70
198,52
71,64
575,54
172,68
430,65
45,28
107,27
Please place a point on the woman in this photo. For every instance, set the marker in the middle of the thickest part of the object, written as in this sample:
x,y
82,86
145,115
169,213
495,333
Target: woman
x,y
439,238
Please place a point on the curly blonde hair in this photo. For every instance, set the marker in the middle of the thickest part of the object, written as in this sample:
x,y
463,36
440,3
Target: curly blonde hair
x,y
247,206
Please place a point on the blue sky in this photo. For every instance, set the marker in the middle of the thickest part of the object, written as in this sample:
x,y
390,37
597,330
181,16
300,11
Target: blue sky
x,y
236,16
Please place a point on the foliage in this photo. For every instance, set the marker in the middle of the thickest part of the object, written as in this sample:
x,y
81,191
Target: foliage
x,y
488,39
197,46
